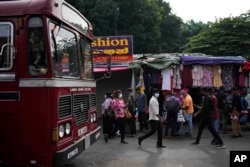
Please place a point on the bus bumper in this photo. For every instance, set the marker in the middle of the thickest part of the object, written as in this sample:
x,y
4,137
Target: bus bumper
x,y
72,151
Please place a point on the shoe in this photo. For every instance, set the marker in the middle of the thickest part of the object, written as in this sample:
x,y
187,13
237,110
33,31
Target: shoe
x,y
220,146
234,136
213,142
123,142
160,146
240,135
188,135
106,138
195,144
139,141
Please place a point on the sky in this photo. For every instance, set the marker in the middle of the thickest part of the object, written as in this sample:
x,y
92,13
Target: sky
x,y
208,10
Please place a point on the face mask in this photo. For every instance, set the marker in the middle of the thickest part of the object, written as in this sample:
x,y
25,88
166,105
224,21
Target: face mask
x,y
105,96
120,96
157,94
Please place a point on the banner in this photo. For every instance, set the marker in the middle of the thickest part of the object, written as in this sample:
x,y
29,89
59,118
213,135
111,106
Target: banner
x,y
120,48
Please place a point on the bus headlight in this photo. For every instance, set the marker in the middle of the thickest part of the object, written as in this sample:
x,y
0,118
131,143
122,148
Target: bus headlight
x,y
67,128
94,115
91,118
61,131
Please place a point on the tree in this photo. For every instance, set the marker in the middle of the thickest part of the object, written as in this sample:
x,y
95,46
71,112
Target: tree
x,y
151,23
225,37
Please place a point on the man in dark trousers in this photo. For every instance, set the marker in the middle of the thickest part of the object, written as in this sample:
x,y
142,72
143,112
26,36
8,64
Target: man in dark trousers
x,y
155,120
206,112
221,98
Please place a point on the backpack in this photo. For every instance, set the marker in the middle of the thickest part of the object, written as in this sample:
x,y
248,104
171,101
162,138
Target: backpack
x,y
172,106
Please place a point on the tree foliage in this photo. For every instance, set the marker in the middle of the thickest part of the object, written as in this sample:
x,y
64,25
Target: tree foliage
x,y
156,30
153,26
225,37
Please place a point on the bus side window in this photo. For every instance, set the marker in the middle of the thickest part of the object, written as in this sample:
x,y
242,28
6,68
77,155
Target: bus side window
x,y
6,46
38,64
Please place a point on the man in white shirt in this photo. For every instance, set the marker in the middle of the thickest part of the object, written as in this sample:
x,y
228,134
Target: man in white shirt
x,y
155,120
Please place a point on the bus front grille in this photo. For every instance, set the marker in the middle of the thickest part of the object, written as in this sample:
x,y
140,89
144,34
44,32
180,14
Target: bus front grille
x,y
81,108
78,105
64,107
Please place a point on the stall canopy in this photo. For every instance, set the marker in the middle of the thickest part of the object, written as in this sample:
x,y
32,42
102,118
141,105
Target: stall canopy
x,y
156,61
209,60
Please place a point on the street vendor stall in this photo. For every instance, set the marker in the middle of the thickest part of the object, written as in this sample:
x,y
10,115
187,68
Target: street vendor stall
x,y
172,72
209,71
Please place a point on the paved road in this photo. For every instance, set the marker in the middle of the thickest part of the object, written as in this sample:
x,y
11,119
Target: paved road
x,y
178,153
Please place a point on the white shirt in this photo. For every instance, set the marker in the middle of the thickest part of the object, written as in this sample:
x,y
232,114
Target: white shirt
x,y
106,104
153,108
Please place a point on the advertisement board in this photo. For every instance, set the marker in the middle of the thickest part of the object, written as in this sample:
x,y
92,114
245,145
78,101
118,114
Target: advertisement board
x,y
120,48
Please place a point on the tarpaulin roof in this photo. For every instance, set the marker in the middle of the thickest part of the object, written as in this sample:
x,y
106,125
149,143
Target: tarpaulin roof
x,y
189,60
156,61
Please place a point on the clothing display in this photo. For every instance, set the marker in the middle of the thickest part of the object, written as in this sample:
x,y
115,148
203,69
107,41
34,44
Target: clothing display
x,y
207,80
197,75
227,76
217,82
166,78
177,79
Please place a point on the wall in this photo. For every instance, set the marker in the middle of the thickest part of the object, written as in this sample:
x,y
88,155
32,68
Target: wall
x,y
119,80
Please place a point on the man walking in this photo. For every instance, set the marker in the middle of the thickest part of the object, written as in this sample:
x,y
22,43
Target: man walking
x,y
206,112
141,105
155,120
188,109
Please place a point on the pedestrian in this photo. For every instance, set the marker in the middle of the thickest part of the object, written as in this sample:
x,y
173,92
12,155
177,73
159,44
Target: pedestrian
x,y
188,109
215,114
119,107
244,105
206,112
172,105
221,98
107,116
155,120
236,110
131,108
141,105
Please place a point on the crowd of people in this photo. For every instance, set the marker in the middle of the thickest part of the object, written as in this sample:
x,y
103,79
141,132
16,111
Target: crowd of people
x,y
162,112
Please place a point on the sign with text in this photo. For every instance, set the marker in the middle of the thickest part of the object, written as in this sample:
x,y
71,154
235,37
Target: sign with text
x,y
120,48
239,158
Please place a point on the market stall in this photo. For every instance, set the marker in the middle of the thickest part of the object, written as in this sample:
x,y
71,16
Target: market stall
x,y
172,72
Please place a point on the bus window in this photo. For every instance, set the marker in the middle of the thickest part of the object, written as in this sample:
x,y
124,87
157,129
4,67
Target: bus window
x,y
6,42
64,52
86,59
38,64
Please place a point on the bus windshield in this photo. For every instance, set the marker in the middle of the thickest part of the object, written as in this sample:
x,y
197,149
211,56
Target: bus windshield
x,y
65,56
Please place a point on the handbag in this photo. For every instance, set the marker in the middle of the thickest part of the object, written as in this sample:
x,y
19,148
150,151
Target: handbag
x,y
109,112
180,117
127,114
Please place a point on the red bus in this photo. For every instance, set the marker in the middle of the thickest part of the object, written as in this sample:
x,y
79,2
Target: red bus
x,y
47,90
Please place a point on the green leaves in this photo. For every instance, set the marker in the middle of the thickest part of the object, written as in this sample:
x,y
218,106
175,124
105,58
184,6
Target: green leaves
x,y
225,37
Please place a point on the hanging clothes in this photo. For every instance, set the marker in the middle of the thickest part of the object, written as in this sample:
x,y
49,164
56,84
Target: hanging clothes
x,y
187,76
217,82
227,76
241,79
207,80
197,75
166,79
176,78
155,77
140,83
